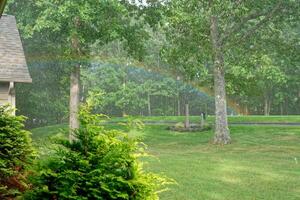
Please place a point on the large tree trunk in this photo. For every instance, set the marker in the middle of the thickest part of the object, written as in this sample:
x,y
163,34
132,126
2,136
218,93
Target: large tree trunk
x,y
74,85
222,134
124,90
149,105
74,100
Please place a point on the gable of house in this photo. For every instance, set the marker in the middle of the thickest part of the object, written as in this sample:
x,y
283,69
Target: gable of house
x,y
13,67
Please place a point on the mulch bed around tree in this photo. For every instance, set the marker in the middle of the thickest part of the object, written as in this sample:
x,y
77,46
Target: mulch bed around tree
x,y
192,128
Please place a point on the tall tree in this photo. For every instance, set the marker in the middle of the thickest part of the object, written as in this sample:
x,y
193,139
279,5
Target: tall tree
x,y
211,33
73,26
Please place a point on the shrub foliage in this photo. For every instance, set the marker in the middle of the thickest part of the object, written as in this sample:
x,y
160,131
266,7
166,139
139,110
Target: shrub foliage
x,y
100,164
15,153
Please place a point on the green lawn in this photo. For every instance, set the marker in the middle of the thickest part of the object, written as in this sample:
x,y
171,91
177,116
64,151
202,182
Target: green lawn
x,y
262,163
41,134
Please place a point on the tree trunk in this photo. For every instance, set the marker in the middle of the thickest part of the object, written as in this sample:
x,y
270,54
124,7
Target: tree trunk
x,y
178,107
269,107
202,120
246,110
297,107
266,107
222,134
175,107
286,106
74,101
281,108
75,85
124,90
187,116
149,105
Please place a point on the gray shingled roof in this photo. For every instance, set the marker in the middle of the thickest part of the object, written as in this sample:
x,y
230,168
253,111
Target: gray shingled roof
x,y
12,59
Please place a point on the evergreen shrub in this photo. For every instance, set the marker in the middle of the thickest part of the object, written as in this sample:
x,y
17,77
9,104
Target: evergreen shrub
x,y
101,164
16,153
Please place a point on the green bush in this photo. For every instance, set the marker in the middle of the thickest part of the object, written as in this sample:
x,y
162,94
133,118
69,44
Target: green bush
x,y
15,153
100,164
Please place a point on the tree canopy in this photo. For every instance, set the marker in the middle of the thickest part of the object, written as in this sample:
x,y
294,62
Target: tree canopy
x,y
244,51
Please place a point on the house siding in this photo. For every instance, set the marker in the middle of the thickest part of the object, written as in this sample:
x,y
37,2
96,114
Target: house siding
x,y
4,93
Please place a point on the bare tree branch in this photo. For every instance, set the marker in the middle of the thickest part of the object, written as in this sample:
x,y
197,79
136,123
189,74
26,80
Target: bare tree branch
x,y
262,22
236,27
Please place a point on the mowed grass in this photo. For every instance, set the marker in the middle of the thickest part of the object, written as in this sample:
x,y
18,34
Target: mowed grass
x,y
44,133
262,163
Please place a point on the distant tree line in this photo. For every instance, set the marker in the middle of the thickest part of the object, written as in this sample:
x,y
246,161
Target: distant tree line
x,y
117,90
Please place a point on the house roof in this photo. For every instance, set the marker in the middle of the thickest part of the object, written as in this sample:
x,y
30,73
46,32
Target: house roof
x,y
13,65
